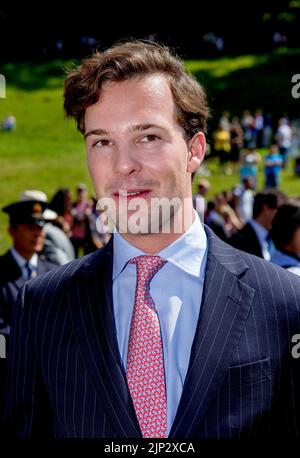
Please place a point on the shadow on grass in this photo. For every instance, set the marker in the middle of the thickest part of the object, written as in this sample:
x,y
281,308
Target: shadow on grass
x,y
32,76
266,85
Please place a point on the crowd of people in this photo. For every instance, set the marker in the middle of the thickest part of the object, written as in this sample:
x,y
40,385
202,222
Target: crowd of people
x,y
79,219
235,143
264,223
243,216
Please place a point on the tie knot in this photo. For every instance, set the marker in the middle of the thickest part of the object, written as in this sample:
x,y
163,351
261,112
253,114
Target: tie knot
x,y
147,266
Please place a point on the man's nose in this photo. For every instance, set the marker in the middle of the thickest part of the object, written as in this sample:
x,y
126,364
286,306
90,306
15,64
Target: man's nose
x,y
126,161
37,229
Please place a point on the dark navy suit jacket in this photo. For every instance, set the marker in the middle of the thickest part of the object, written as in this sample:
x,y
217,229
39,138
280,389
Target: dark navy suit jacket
x,y
65,373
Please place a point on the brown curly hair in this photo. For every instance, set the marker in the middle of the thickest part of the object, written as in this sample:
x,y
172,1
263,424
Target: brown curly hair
x,y
133,59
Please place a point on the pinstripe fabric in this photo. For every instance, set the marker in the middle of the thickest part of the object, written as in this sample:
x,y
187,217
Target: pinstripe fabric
x,y
66,378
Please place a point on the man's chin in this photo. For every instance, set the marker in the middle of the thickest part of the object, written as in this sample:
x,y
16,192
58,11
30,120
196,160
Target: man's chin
x,y
134,228
146,226
37,248
163,216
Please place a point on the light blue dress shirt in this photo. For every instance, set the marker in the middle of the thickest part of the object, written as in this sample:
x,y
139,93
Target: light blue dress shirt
x,y
22,262
177,292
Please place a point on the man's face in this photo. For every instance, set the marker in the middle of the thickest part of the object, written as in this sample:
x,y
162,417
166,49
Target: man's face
x,y
27,238
82,194
135,144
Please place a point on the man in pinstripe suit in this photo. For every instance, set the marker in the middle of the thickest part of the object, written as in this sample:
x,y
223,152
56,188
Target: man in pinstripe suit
x,y
226,317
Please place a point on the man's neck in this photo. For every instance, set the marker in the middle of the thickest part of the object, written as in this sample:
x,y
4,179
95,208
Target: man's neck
x,y
151,243
261,222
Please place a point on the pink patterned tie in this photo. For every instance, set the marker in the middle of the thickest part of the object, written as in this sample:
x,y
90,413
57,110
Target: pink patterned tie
x,y
145,362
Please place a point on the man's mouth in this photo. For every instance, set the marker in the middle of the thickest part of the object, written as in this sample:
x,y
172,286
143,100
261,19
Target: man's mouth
x,y
131,193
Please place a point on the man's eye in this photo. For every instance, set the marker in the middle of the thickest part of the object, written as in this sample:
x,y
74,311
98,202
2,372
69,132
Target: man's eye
x,y
149,138
101,143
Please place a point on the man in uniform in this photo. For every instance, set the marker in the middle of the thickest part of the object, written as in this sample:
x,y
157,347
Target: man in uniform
x,y
22,261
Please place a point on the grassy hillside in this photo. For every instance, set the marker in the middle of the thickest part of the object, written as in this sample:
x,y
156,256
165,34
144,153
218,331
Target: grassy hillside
x,y
45,152
250,82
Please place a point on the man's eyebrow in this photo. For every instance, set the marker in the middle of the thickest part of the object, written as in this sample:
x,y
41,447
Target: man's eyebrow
x,y
96,132
137,127
145,127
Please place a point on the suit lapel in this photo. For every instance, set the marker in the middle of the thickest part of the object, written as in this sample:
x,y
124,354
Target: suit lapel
x,y
225,306
93,318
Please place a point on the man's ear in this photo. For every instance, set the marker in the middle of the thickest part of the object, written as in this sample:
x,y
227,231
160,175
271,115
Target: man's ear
x,y
197,147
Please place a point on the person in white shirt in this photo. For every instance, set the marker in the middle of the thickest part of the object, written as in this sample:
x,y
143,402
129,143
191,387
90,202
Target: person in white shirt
x,y
284,139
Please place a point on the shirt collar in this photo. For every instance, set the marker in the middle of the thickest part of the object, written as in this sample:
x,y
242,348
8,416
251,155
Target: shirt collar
x,y
22,261
186,253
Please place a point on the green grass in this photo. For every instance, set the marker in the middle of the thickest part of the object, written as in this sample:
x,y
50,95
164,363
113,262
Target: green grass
x,y
250,82
46,152
225,66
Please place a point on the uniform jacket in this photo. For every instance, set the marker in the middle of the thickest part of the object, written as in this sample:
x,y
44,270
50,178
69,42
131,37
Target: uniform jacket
x,y
11,281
